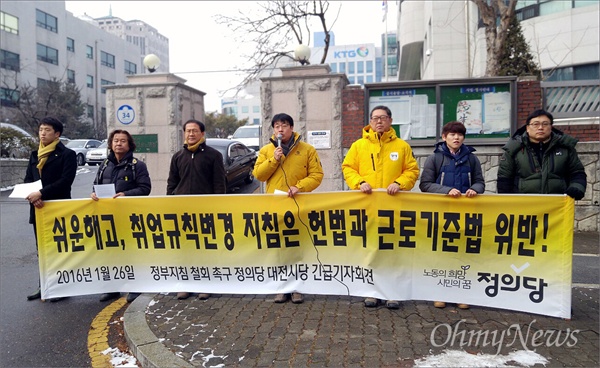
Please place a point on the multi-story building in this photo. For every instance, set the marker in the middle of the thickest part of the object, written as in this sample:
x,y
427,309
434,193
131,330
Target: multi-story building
x,y
362,63
41,40
138,33
245,106
446,39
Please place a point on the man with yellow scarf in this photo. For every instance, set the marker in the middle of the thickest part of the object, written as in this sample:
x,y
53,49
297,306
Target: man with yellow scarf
x,y
56,166
196,169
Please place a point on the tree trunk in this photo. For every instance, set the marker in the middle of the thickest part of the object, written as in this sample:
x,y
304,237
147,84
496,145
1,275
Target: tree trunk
x,y
495,35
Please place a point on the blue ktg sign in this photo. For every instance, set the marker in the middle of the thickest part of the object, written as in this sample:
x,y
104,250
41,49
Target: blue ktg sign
x,y
362,51
125,114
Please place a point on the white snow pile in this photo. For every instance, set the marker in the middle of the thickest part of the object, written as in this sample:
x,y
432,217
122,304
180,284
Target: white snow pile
x,y
120,359
459,358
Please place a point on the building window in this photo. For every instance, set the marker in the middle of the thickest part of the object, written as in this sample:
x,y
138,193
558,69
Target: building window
x,y
130,68
90,81
342,67
107,59
9,60
369,66
103,114
47,54
569,73
351,80
245,109
9,97
351,67
71,76
104,82
89,52
90,111
70,44
333,67
45,20
360,79
256,121
369,79
256,109
9,23
360,67
43,83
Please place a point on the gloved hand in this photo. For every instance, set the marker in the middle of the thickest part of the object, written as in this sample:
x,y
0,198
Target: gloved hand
x,y
574,193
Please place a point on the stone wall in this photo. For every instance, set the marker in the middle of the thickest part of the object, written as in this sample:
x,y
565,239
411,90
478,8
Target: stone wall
x,y
12,171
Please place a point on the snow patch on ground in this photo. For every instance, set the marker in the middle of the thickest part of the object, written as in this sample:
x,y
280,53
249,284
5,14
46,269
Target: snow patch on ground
x,y
459,358
120,359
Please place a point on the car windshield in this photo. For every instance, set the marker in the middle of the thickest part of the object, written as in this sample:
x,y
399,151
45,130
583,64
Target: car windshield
x,y
76,144
103,145
246,133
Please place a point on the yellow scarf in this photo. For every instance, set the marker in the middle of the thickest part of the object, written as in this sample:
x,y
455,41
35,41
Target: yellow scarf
x,y
194,147
44,152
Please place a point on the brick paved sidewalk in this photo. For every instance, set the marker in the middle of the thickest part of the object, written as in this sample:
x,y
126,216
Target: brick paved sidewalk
x,y
331,331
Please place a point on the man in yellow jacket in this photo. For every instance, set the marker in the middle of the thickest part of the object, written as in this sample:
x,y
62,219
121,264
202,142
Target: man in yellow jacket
x,y
380,159
289,165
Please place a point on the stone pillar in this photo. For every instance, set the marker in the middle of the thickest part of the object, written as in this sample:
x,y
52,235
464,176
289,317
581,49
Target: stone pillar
x,y
160,104
312,96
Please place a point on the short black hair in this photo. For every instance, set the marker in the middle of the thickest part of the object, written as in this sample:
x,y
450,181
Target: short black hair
x,y
197,122
538,113
284,118
53,122
454,127
381,107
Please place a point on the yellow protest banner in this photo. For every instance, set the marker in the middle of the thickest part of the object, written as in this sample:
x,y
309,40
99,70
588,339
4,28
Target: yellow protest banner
x,y
504,251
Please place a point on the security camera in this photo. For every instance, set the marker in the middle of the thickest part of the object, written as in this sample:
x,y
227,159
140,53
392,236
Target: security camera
x,y
428,52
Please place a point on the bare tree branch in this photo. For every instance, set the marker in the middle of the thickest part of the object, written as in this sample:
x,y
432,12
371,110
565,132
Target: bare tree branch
x,y
280,26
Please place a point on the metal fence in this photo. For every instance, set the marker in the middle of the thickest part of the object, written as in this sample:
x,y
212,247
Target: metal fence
x,y
572,99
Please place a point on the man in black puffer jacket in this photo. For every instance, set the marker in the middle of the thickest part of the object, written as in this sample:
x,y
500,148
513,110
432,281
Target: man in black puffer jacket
x,y
541,159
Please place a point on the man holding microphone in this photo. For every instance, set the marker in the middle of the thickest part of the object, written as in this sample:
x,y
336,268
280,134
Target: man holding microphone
x,y
289,165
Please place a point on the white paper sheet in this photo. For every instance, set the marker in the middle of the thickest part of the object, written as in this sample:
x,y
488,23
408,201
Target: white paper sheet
x,y
105,190
25,189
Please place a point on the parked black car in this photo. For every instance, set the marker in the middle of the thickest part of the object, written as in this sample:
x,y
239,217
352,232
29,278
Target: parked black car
x,y
237,158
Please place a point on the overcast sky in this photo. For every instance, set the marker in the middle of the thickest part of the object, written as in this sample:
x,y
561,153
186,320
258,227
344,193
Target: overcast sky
x,y
200,49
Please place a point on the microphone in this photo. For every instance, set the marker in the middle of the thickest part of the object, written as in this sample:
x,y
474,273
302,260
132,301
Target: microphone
x,y
279,136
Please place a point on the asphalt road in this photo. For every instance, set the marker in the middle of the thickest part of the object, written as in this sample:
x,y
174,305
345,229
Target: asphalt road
x,y
32,333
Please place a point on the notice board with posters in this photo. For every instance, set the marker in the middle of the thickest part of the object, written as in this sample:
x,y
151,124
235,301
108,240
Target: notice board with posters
x,y
419,110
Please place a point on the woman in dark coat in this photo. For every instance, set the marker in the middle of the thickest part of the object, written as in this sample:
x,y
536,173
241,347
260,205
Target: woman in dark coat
x,y
128,174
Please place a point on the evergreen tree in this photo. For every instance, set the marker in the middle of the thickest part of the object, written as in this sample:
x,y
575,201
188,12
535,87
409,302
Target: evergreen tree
x,y
515,58
221,125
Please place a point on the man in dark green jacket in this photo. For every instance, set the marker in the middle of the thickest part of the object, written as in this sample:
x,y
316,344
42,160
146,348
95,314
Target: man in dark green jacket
x,y
541,159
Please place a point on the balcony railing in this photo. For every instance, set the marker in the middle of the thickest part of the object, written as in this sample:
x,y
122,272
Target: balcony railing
x,y
572,99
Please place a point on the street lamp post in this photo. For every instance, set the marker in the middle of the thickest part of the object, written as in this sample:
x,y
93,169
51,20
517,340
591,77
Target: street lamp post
x,y
302,54
151,62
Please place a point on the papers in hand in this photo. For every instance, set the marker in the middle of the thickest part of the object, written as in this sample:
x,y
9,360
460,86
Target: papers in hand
x,y
104,190
25,189
280,192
